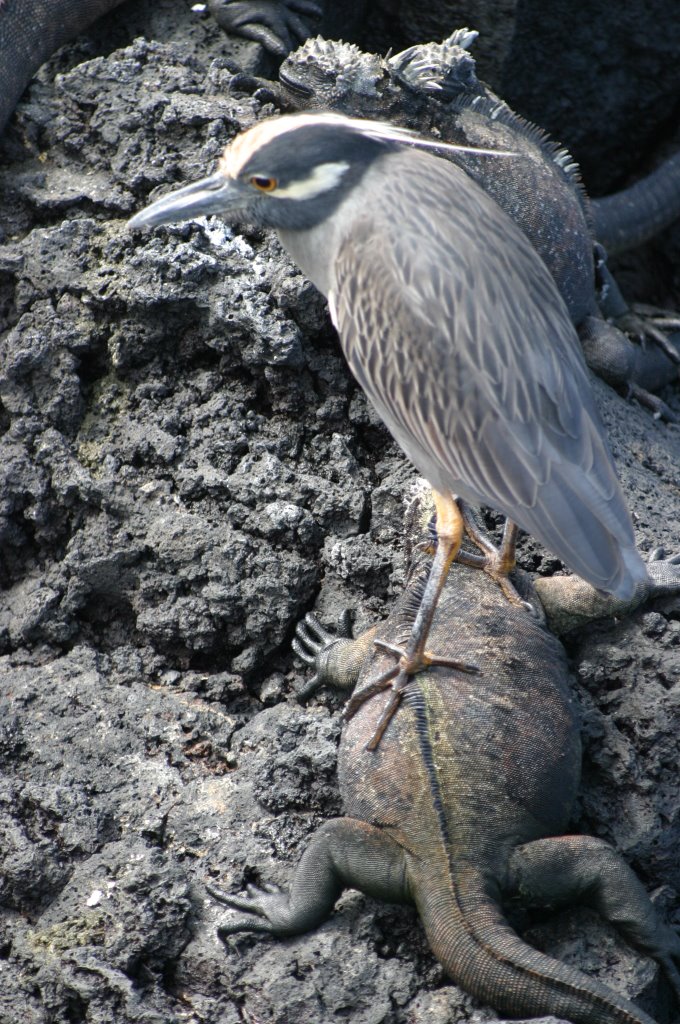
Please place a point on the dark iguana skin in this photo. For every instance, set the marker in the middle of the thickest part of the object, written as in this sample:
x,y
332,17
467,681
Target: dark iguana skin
x,y
434,89
462,806
31,31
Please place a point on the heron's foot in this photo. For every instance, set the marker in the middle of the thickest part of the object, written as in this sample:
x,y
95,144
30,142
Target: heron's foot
x,y
412,663
496,566
649,323
496,562
379,685
397,678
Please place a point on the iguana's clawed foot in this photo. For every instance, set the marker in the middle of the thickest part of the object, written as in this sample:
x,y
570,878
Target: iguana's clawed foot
x,y
266,906
397,678
277,25
311,640
656,405
643,322
260,89
664,573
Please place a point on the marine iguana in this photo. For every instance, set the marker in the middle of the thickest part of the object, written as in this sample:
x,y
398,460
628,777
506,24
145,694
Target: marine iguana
x,y
462,807
433,88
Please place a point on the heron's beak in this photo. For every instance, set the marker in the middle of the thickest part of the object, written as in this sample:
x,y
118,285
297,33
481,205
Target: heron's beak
x,y
215,194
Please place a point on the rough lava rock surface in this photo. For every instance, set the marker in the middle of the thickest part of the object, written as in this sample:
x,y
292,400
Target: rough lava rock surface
x,y
187,468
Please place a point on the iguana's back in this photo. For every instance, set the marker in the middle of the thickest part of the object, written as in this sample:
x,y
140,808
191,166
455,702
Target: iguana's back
x,y
501,748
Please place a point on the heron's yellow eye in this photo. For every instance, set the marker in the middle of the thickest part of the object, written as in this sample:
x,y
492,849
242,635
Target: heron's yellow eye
x,y
264,184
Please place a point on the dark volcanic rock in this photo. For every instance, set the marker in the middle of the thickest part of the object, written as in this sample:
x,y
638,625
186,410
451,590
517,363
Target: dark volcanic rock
x,y
186,469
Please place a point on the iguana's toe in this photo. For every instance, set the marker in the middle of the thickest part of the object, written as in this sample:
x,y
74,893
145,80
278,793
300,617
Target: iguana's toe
x,y
642,322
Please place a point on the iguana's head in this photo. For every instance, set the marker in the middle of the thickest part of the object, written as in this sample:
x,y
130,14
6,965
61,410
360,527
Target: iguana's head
x,y
334,75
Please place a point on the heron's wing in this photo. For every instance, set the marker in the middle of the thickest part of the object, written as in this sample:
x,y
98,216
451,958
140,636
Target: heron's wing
x,y
456,330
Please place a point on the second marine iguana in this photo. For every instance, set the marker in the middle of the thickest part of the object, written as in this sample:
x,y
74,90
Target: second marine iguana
x,y
32,30
462,807
434,89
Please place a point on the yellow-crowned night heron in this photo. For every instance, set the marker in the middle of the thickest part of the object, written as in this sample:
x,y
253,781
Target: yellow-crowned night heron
x,y
452,325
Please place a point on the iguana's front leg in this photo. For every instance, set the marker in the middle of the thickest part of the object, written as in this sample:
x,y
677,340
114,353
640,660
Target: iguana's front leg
x,y
343,853
337,660
278,25
581,869
569,602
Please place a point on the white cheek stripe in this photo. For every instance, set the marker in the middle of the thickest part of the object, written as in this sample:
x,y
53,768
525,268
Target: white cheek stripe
x,y
333,310
323,178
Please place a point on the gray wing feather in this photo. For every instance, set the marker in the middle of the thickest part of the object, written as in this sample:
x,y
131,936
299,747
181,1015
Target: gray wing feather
x,y
456,330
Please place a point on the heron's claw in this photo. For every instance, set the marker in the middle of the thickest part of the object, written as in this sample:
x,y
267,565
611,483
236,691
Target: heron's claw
x,y
397,678
358,699
496,562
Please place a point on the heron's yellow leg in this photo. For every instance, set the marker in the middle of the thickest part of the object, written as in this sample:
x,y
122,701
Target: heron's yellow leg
x,y
413,657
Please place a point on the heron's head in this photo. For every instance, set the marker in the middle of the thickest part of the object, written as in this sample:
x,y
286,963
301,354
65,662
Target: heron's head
x,y
288,173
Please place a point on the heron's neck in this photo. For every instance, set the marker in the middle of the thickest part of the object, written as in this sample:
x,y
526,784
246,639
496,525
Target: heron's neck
x,y
315,249
311,250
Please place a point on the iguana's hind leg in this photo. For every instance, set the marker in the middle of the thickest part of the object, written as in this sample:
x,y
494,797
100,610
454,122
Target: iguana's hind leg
x,y
584,870
343,853
639,321
636,370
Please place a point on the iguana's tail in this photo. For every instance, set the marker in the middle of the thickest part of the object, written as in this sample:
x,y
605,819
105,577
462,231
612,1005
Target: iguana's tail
x,y
30,32
466,928
481,953
633,216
